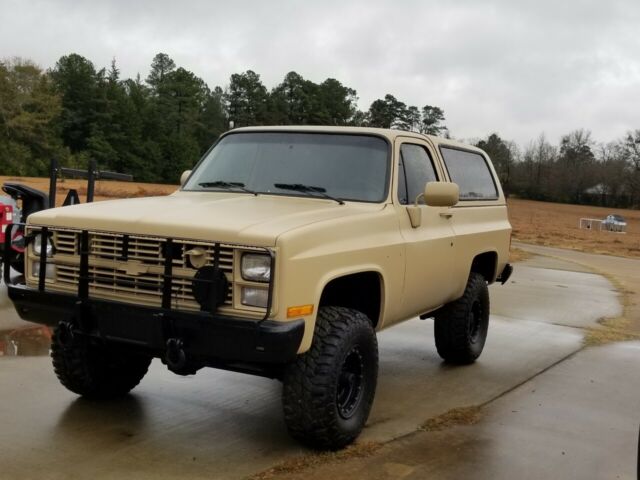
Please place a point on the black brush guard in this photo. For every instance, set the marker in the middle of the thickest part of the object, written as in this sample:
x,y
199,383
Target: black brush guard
x,y
205,338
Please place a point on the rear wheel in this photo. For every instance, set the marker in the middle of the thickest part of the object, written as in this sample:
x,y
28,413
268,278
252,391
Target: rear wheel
x,y
96,370
328,391
461,327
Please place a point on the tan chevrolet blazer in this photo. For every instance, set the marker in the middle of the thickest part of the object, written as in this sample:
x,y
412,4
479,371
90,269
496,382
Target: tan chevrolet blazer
x,y
282,254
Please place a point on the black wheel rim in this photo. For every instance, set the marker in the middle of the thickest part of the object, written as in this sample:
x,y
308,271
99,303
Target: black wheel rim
x,y
350,384
475,321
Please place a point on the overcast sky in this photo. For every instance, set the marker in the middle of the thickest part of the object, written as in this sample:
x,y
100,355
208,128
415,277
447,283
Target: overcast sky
x,y
519,68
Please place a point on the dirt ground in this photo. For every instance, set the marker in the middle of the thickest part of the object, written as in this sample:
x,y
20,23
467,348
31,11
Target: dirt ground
x,y
540,223
557,225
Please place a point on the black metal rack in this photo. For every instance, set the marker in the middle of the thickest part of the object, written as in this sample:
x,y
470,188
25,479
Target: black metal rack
x,y
35,200
92,174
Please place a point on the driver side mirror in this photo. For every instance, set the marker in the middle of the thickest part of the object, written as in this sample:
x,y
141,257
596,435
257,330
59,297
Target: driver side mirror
x,y
184,177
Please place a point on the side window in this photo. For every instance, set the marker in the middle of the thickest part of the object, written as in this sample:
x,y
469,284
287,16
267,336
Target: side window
x,y
415,170
471,172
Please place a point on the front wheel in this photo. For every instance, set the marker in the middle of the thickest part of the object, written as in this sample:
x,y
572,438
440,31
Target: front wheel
x,y
95,370
328,391
461,326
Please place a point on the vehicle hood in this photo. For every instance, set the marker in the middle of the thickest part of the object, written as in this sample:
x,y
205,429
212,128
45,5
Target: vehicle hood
x,y
225,217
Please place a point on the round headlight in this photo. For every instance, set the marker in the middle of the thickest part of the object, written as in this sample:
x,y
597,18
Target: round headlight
x,y
256,267
37,246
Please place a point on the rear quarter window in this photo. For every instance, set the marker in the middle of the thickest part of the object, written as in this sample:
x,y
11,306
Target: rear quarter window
x,y
471,172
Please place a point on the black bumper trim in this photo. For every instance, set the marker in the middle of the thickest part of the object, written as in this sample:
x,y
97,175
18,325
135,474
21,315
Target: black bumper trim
x,y
207,337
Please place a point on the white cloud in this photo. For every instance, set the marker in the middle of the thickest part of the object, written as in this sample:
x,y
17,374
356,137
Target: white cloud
x,y
515,67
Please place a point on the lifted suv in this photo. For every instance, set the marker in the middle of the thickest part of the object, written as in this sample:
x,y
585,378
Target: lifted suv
x,y
281,255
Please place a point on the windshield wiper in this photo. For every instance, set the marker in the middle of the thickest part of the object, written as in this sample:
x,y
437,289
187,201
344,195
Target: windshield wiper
x,y
299,187
228,185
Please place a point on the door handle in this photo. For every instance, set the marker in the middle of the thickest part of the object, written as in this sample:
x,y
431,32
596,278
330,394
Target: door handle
x,y
447,214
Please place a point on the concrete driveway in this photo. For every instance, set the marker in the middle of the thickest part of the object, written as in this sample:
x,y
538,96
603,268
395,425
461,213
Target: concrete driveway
x,y
224,425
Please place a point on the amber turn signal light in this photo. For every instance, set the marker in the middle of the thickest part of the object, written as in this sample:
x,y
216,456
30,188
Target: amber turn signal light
x,y
299,311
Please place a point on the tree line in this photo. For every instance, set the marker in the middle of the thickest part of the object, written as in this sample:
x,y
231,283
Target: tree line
x,y
578,170
157,127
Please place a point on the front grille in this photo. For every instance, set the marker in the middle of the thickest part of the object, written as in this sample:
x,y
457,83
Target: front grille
x,y
108,261
148,250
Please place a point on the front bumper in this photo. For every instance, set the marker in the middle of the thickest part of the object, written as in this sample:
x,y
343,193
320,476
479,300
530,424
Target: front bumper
x,y
209,339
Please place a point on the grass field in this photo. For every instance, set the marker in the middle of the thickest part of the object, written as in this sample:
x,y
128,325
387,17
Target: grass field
x,y
541,223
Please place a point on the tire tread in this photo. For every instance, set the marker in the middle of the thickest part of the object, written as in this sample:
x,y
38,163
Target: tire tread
x,y
85,369
308,397
451,323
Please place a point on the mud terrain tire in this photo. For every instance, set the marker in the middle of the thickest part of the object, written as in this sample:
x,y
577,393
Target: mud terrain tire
x,y
94,370
461,326
328,391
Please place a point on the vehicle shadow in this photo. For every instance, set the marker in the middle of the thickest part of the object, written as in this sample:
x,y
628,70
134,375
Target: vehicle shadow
x,y
233,430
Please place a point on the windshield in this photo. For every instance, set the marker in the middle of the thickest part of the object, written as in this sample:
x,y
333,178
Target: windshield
x,y
344,167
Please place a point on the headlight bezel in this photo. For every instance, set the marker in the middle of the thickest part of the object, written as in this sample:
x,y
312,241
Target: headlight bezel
x,y
261,267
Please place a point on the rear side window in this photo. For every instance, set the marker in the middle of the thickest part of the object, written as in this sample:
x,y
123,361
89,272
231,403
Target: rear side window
x,y
415,170
471,172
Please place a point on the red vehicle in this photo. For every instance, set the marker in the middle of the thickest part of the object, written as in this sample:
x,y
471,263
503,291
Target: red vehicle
x,y
6,218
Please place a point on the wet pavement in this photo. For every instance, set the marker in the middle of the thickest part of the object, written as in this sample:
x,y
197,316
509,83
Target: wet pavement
x,y
18,338
579,420
225,425
626,271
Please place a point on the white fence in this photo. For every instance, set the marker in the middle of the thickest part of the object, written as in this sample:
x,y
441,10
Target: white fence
x,y
597,224
589,223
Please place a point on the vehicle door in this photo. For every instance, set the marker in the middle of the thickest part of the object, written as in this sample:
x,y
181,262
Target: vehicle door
x,y
430,247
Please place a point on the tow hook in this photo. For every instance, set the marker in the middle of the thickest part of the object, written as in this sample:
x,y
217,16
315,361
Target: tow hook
x,y
66,337
175,357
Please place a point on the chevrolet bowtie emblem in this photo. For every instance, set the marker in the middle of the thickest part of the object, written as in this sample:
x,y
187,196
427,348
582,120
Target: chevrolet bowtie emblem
x,y
133,268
